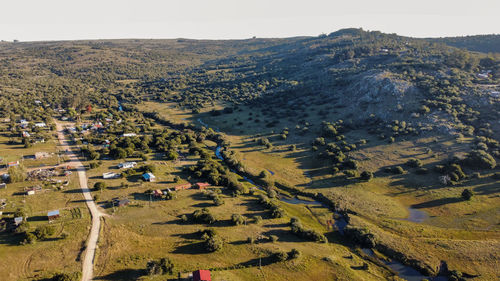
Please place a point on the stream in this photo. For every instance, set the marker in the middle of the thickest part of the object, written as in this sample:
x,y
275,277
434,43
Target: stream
x,y
403,271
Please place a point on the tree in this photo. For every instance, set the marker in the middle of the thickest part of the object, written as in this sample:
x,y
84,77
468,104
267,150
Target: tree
x,y
238,219
214,243
366,175
467,194
44,232
99,185
17,174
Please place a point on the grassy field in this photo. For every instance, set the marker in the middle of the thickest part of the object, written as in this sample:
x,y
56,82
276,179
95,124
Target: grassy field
x,y
133,231
453,226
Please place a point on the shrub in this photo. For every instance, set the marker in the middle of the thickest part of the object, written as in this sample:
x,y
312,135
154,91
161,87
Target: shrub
x,y
44,232
467,194
214,243
297,229
161,266
397,170
350,173
280,256
203,216
257,219
414,163
238,219
99,185
366,175
480,159
294,254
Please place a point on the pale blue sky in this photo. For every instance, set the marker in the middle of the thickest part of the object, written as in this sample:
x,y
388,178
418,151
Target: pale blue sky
x,y
29,20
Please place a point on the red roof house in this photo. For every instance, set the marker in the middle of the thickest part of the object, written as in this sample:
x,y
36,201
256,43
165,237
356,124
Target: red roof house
x,y
201,275
202,185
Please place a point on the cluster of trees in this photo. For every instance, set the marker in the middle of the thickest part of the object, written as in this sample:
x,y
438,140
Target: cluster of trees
x,y
159,267
298,229
272,205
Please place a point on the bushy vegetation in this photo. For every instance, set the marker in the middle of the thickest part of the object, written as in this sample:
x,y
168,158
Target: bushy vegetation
x,y
298,229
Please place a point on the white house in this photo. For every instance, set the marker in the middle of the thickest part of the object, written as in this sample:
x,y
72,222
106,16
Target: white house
x,y
127,165
129,135
41,125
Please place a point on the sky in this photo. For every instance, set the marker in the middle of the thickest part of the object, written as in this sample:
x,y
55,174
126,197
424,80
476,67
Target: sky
x,y
35,20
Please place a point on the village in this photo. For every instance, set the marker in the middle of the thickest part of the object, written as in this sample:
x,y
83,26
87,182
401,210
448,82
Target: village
x,y
44,170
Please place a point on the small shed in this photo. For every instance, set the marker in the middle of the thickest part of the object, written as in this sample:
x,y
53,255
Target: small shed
x,y
149,177
30,192
3,185
202,275
52,215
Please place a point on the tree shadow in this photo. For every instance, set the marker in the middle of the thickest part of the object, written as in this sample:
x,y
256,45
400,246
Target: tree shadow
x,y
197,248
123,275
437,202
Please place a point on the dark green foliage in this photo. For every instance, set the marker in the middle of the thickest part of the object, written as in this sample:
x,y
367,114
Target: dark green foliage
x,y
203,216
366,175
397,170
99,185
467,194
276,210
161,266
310,234
44,232
214,243
480,159
294,254
414,163
280,256
238,219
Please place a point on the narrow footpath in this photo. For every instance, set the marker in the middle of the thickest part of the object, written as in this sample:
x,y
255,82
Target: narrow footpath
x,y
88,260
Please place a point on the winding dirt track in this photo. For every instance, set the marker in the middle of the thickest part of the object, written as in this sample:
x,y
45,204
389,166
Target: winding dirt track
x,y
88,260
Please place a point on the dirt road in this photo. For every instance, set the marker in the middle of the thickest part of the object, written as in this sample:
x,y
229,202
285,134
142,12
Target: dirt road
x,y
88,260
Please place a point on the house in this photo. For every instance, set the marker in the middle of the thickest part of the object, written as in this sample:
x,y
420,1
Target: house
x,y
26,134
52,215
129,135
30,192
18,221
41,155
202,275
127,165
23,122
149,177
40,125
157,193
3,185
120,202
38,101
182,186
12,164
110,175
202,185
